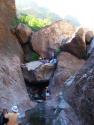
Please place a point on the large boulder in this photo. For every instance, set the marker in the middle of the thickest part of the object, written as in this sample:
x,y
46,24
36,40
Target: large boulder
x,y
12,86
70,62
23,33
76,45
67,66
51,37
37,71
79,92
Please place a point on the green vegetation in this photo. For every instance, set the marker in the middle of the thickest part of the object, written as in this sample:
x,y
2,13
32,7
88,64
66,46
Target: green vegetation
x,y
35,24
32,21
34,56
58,50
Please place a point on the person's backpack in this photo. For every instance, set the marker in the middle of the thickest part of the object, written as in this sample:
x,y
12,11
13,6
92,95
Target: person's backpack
x,y
3,120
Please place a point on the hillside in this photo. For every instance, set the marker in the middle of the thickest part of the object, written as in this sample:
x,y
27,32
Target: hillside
x,y
31,8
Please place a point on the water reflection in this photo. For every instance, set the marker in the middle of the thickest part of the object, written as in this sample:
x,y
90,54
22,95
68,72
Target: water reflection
x,y
42,115
52,113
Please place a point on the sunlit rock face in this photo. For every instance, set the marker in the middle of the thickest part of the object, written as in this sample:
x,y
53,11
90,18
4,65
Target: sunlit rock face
x,y
51,37
80,93
12,87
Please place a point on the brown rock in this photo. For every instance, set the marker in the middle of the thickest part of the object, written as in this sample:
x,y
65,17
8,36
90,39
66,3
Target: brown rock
x,y
37,71
51,37
76,45
23,33
44,72
67,66
56,83
12,86
70,62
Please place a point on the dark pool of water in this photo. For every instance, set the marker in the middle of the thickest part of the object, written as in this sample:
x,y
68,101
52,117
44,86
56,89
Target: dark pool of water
x,y
42,115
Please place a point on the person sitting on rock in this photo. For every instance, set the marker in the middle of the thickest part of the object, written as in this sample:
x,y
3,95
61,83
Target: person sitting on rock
x,y
53,59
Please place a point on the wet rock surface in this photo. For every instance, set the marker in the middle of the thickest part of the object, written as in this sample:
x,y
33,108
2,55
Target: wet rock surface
x,y
52,112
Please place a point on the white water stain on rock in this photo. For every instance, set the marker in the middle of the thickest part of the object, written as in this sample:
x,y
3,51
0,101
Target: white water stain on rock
x,y
69,81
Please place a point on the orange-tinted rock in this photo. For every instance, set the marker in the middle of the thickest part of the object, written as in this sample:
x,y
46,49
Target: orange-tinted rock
x,y
70,62
76,45
51,37
23,33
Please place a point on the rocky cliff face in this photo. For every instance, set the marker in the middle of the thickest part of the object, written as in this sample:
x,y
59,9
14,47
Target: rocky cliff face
x,y
12,87
79,92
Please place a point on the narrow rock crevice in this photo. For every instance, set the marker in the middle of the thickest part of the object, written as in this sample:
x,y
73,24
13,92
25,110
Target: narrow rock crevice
x,y
37,90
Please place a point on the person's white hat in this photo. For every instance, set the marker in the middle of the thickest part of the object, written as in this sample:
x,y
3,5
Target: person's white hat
x,y
14,109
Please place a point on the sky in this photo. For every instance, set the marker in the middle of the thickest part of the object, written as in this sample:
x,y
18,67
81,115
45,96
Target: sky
x,y
81,9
